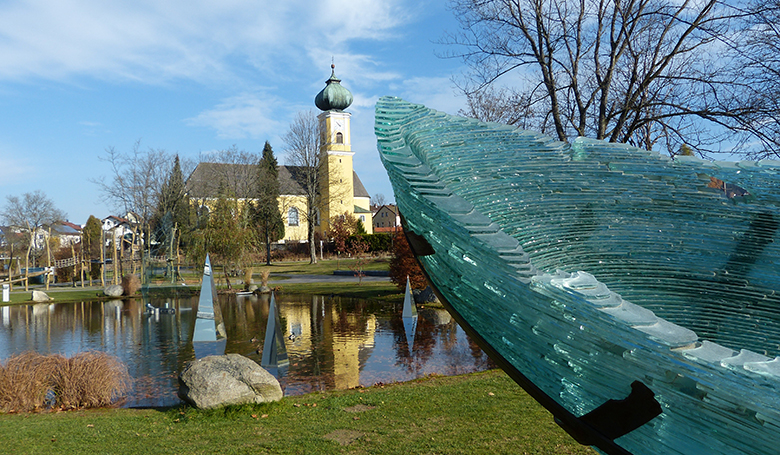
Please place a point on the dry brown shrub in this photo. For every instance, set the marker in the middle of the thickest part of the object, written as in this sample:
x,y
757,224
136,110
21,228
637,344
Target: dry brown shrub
x,y
32,381
89,380
130,284
248,276
264,274
24,382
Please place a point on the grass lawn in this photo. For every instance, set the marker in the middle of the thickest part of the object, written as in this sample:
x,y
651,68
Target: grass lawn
x,y
483,413
60,294
324,267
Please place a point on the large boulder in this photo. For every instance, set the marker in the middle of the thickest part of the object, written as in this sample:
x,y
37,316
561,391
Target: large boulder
x,y
40,296
220,380
425,296
114,290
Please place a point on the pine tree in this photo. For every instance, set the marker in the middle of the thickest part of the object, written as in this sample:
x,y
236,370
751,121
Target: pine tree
x,y
91,245
173,211
266,213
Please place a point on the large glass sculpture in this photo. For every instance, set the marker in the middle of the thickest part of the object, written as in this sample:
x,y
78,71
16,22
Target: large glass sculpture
x,y
633,295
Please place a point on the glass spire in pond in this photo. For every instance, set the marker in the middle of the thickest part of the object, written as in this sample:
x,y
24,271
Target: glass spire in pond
x,y
593,271
409,316
209,333
274,350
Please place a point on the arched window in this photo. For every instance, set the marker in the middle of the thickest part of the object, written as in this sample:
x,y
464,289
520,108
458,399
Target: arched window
x,y
339,138
292,217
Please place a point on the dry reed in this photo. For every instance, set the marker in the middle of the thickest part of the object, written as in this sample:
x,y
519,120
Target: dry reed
x,y
32,381
264,274
130,284
248,276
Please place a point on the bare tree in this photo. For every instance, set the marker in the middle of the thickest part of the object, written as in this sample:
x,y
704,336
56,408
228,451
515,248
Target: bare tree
x,y
136,180
303,151
500,105
30,213
378,200
758,64
635,71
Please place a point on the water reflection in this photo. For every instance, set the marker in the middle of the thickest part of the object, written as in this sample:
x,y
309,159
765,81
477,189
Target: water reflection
x,y
332,343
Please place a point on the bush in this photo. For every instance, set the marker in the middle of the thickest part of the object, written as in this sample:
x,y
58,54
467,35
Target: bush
x,y
404,264
376,242
32,381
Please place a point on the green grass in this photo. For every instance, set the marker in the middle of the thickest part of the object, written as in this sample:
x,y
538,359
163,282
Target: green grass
x,y
482,413
323,267
385,290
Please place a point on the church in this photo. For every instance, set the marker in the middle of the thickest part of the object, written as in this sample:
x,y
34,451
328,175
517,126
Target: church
x,y
340,187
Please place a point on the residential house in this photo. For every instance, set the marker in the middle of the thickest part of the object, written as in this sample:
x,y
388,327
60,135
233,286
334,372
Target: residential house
x,y
387,219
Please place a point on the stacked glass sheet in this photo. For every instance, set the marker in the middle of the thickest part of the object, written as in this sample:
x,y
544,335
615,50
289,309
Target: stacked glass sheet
x,y
591,265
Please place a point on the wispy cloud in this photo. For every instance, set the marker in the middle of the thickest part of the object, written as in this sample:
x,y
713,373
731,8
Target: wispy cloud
x,y
242,116
152,42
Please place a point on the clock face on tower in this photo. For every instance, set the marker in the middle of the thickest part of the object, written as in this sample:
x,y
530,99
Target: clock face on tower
x,y
339,124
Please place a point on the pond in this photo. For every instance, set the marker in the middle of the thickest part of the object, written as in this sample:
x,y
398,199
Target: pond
x,y
332,342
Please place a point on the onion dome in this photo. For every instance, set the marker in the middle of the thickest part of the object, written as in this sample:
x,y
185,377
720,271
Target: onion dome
x,y
334,97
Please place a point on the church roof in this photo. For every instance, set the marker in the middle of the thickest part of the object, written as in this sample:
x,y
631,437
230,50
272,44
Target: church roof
x,y
357,186
206,179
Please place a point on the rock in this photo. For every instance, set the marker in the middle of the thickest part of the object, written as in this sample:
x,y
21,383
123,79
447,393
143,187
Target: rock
x,y
252,288
426,296
264,289
221,380
40,296
114,290
130,284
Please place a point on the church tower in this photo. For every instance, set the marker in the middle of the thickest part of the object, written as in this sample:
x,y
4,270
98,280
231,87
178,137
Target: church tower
x,y
336,180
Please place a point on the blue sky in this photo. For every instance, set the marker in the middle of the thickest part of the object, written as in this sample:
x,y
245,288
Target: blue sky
x,y
191,77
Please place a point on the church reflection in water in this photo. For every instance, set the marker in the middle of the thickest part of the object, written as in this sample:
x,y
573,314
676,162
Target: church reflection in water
x,y
332,342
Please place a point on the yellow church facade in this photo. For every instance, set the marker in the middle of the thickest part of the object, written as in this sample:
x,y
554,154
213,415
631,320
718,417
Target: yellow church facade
x,y
341,190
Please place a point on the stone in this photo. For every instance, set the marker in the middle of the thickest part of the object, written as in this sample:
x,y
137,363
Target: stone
x,y
221,380
40,296
114,290
252,287
425,296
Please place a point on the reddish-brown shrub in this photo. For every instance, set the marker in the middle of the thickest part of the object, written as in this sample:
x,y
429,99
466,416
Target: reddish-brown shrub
x,y
403,264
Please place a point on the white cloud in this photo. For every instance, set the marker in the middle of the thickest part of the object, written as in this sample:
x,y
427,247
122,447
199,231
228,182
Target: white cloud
x,y
154,42
245,115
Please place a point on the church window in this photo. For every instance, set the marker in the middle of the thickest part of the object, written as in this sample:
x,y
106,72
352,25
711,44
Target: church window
x,y
339,139
292,217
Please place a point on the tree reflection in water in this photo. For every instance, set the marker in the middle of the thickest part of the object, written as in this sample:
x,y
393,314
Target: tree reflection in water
x,y
332,343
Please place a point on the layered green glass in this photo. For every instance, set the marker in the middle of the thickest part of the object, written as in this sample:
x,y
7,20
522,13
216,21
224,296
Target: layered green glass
x,y
591,265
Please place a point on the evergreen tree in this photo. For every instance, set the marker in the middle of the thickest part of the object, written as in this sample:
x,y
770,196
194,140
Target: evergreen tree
x,y
266,213
91,245
173,211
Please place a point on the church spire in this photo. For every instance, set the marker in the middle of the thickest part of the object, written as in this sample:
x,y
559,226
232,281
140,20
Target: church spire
x,y
334,97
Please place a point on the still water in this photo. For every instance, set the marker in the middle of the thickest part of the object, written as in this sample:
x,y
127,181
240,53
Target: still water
x,y
332,342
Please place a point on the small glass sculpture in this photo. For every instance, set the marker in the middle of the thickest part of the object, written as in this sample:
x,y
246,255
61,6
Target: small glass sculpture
x,y
635,296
